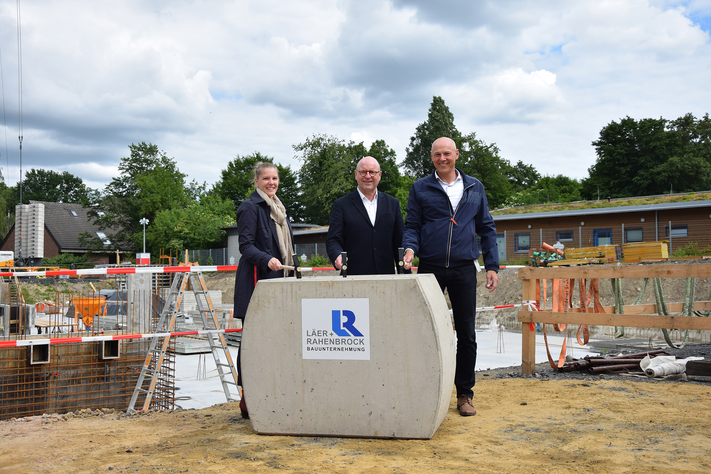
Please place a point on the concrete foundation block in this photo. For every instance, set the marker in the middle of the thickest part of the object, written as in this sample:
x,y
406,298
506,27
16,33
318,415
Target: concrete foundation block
x,y
364,356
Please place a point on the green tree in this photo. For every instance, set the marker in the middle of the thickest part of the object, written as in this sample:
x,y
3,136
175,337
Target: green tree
x,y
237,180
325,175
651,156
439,123
149,183
199,225
483,162
522,176
327,172
237,183
391,180
692,136
290,193
7,214
560,188
689,169
51,186
548,189
683,174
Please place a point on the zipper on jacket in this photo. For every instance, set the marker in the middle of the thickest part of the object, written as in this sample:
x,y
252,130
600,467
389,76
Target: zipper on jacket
x,y
451,228
452,213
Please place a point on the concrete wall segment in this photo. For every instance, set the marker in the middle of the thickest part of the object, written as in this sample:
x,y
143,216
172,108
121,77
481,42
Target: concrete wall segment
x,y
402,391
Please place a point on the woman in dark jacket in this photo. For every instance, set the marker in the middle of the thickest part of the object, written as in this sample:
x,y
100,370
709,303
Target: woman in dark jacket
x,y
265,242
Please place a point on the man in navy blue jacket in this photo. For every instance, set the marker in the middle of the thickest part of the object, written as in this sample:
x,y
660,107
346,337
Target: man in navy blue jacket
x,y
367,224
445,212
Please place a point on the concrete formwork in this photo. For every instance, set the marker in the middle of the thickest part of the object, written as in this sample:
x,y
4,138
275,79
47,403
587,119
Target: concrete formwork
x,y
70,376
304,372
76,377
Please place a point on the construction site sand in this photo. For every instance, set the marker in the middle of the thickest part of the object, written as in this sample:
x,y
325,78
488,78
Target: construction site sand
x,y
550,423
522,425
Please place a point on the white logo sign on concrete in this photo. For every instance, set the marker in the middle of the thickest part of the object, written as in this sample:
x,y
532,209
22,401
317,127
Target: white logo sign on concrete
x,y
335,328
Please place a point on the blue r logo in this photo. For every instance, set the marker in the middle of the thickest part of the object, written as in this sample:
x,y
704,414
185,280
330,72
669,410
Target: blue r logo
x,y
341,327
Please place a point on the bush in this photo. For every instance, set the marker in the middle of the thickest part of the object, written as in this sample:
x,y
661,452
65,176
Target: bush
x,y
316,261
517,261
692,249
64,259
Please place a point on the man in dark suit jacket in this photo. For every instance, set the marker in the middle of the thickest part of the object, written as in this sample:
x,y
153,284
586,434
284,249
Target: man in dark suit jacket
x,y
367,224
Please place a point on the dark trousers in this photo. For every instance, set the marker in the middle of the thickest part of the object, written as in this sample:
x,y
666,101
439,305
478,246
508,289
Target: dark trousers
x,y
460,283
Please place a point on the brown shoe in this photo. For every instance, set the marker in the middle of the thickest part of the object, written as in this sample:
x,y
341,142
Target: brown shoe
x,y
465,407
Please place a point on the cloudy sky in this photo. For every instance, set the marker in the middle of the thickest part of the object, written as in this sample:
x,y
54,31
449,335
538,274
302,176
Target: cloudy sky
x,y
209,80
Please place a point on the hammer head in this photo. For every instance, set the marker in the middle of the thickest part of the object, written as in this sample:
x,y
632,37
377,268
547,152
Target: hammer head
x,y
400,260
344,265
297,266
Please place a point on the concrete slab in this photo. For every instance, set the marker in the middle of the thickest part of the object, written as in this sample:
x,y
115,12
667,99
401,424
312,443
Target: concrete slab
x,y
189,345
366,356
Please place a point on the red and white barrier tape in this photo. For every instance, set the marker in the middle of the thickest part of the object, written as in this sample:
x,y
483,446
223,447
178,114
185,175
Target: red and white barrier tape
x,y
67,340
138,269
531,305
149,269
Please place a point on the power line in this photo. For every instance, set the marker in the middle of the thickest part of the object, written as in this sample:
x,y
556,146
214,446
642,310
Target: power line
x,y
19,88
4,117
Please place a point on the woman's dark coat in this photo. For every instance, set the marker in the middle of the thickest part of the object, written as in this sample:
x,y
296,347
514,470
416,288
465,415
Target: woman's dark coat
x,y
258,243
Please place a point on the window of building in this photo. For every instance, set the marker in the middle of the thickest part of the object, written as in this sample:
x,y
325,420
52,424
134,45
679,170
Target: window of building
x,y
73,213
564,236
103,237
633,235
678,231
522,242
602,237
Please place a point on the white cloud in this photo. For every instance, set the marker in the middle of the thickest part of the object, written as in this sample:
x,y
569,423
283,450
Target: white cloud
x,y
510,96
209,80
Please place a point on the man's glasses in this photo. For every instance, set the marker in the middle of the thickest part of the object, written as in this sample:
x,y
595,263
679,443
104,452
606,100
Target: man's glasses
x,y
371,173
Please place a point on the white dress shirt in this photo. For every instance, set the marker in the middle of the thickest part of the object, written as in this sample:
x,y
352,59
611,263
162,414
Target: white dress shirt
x,y
371,207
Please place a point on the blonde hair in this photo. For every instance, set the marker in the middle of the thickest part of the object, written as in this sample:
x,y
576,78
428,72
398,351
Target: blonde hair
x,y
261,166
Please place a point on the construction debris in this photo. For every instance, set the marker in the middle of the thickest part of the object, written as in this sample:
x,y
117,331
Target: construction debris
x,y
609,365
665,365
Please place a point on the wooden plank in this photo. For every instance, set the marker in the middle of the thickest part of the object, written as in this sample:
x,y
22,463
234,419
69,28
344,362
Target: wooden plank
x,y
605,252
681,270
645,251
627,320
528,350
528,341
652,308
699,367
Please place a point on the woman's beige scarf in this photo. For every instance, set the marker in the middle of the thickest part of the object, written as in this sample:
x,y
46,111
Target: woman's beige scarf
x,y
278,215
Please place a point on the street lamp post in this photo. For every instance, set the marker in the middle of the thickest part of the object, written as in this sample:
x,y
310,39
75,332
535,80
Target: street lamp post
x,y
144,221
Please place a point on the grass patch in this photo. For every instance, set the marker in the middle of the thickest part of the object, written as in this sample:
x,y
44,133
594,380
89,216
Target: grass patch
x,y
692,249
